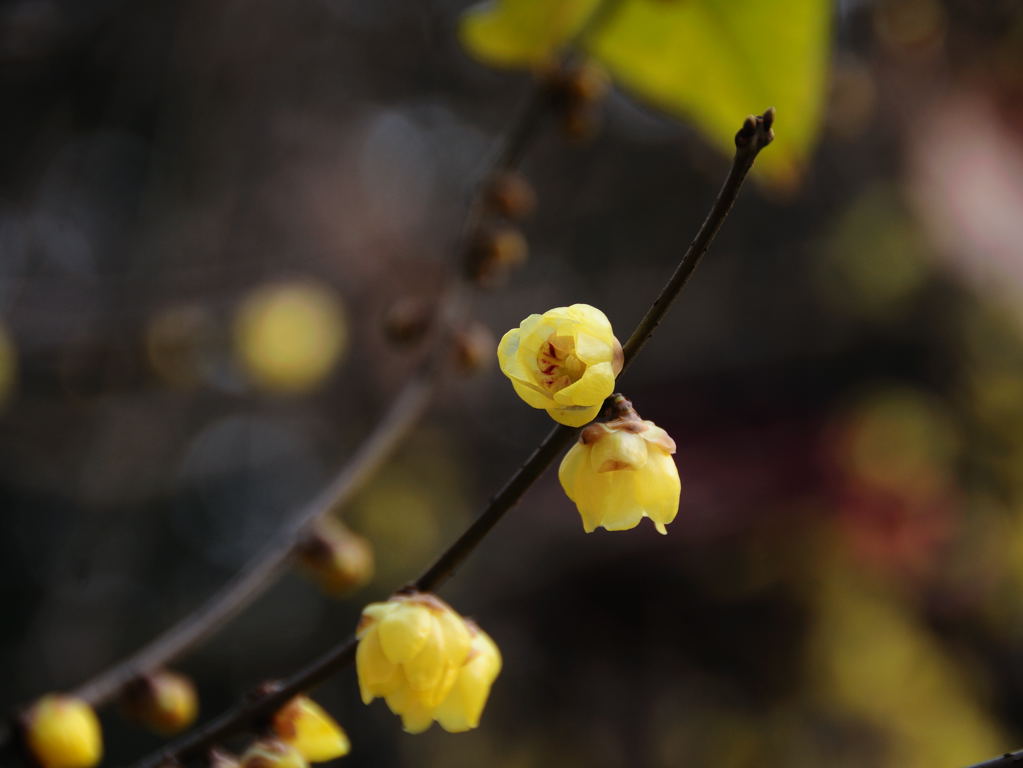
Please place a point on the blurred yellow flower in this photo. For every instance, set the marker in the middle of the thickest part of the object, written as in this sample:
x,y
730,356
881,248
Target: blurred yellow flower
x,y
63,732
620,472
304,724
289,336
426,661
564,361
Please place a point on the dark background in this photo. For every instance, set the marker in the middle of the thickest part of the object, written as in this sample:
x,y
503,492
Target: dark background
x,y
843,377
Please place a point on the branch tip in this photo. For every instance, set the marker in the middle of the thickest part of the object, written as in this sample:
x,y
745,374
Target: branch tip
x,y
756,132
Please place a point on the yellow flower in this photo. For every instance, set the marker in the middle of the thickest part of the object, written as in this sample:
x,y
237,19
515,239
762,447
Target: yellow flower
x,y
163,701
426,661
304,724
63,732
564,361
620,472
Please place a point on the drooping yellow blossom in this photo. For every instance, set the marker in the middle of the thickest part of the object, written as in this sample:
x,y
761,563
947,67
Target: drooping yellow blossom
x,y
304,724
63,732
564,361
273,753
426,661
164,702
621,471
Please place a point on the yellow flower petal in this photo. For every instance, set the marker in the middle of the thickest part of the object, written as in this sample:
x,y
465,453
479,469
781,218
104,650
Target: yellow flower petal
x,y
593,349
532,395
617,502
377,676
507,356
660,488
574,416
584,314
415,717
305,725
596,384
404,632
462,709
426,670
617,451
457,639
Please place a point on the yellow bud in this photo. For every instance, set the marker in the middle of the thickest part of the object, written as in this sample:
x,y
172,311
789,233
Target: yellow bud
x,y
304,724
337,559
426,661
272,753
620,472
164,702
63,732
289,336
564,361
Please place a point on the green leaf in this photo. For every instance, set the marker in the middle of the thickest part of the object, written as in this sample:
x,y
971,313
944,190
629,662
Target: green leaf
x,y
710,61
521,33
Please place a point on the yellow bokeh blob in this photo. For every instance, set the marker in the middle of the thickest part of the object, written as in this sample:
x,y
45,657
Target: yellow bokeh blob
x,y
289,336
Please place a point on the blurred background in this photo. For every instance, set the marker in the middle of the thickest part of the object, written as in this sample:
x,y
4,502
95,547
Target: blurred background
x,y
206,211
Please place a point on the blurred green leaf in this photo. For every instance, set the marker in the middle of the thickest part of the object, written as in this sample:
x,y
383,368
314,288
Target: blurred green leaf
x,y
709,61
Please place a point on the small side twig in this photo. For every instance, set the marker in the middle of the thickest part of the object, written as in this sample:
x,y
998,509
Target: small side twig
x,y
755,134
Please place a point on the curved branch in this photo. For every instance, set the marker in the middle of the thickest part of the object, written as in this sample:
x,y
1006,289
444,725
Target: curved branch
x,y
402,415
755,134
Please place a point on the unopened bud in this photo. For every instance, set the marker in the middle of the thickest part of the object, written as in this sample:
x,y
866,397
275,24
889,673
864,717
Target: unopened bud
x,y
494,252
510,195
162,701
304,724
272,753
337,559
474,347
407,320
63,732
582,84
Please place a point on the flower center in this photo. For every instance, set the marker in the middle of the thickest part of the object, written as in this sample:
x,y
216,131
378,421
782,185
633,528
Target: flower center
x,y
559,367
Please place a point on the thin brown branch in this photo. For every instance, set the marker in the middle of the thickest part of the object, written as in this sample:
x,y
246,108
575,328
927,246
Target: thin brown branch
x,y
755,134
405,411
1002,761
266,566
